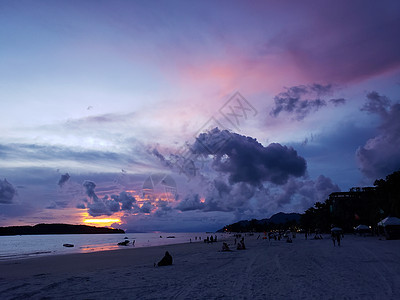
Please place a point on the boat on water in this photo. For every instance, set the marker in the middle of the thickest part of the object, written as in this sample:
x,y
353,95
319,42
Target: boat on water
x,y
68,245
124,243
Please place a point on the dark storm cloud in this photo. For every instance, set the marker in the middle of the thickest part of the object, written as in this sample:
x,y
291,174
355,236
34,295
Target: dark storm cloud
x,y
220,196
89,189
163,208
380,156
98,207
81,206
7,192
244,159
296,195
146,207
190,202
301,100
244,199
338,101
109,205
64,178
307,191
224,196
127,200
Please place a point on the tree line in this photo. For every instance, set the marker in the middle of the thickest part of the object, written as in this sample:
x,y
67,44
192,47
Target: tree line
x,y
358,206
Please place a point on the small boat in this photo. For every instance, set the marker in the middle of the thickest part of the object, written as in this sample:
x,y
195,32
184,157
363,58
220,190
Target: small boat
x,y
171,237
124,243
68,245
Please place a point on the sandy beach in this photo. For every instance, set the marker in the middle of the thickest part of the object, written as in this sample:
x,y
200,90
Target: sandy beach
x,y
362,268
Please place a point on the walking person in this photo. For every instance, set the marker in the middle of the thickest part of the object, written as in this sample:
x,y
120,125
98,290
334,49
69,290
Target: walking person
x,y
338,236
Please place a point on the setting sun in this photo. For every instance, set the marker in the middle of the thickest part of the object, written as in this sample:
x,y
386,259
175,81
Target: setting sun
x,y
103,222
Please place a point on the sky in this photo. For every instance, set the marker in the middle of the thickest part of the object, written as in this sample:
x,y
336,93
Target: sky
x,y
191,115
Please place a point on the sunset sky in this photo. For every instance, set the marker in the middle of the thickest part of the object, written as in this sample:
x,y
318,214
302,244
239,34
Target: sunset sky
x,y
190,115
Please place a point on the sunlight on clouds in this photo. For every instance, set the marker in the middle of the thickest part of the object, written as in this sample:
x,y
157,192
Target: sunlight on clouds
x,y
108,221
104,222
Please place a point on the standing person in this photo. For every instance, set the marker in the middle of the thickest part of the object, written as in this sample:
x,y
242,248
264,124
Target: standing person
x,y
333,238
338,236
305,234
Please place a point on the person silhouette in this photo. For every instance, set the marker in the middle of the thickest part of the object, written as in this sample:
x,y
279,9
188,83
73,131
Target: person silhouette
x,y
166,260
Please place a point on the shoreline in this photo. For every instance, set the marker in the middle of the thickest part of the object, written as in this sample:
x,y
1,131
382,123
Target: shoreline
x,y
78,262
26,247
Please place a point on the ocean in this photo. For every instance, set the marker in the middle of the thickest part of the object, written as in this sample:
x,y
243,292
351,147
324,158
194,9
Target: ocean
x,y
25,246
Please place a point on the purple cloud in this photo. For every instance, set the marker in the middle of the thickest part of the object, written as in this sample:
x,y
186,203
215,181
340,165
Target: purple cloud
x,y
244,159
108,205
190,202
7,192
338,101
302,100
127,200
338,45
380,155
64,178
378,104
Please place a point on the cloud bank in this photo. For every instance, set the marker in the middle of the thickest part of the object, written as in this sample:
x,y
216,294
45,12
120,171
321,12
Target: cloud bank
x,y
245,160
7,192
380,155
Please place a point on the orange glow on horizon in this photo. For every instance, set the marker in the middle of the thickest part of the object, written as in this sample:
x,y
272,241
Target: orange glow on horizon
x,y
103,222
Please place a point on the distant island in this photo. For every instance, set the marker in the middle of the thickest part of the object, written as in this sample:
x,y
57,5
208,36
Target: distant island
x,y
56,229
277,221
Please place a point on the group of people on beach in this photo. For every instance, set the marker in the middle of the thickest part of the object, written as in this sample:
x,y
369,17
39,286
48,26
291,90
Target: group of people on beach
x,y
239,246
167,259
210,239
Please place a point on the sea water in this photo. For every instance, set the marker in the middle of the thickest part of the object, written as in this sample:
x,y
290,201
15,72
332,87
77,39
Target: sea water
x,y
25,246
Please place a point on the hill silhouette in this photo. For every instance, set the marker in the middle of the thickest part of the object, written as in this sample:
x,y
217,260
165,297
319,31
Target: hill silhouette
x,y
277,221
56,229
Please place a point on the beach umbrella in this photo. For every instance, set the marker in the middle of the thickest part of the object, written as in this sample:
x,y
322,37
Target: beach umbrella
x,y
336,229
389,221
362,227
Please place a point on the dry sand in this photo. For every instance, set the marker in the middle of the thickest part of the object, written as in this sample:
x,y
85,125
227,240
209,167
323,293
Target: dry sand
x,y
363,268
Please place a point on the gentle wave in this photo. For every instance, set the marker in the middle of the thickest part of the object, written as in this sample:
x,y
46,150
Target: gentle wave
x,y
23,255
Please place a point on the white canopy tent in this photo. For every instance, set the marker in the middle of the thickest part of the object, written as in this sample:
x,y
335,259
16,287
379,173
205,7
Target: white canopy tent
x,y
362,227
336,229
391,227
389,221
